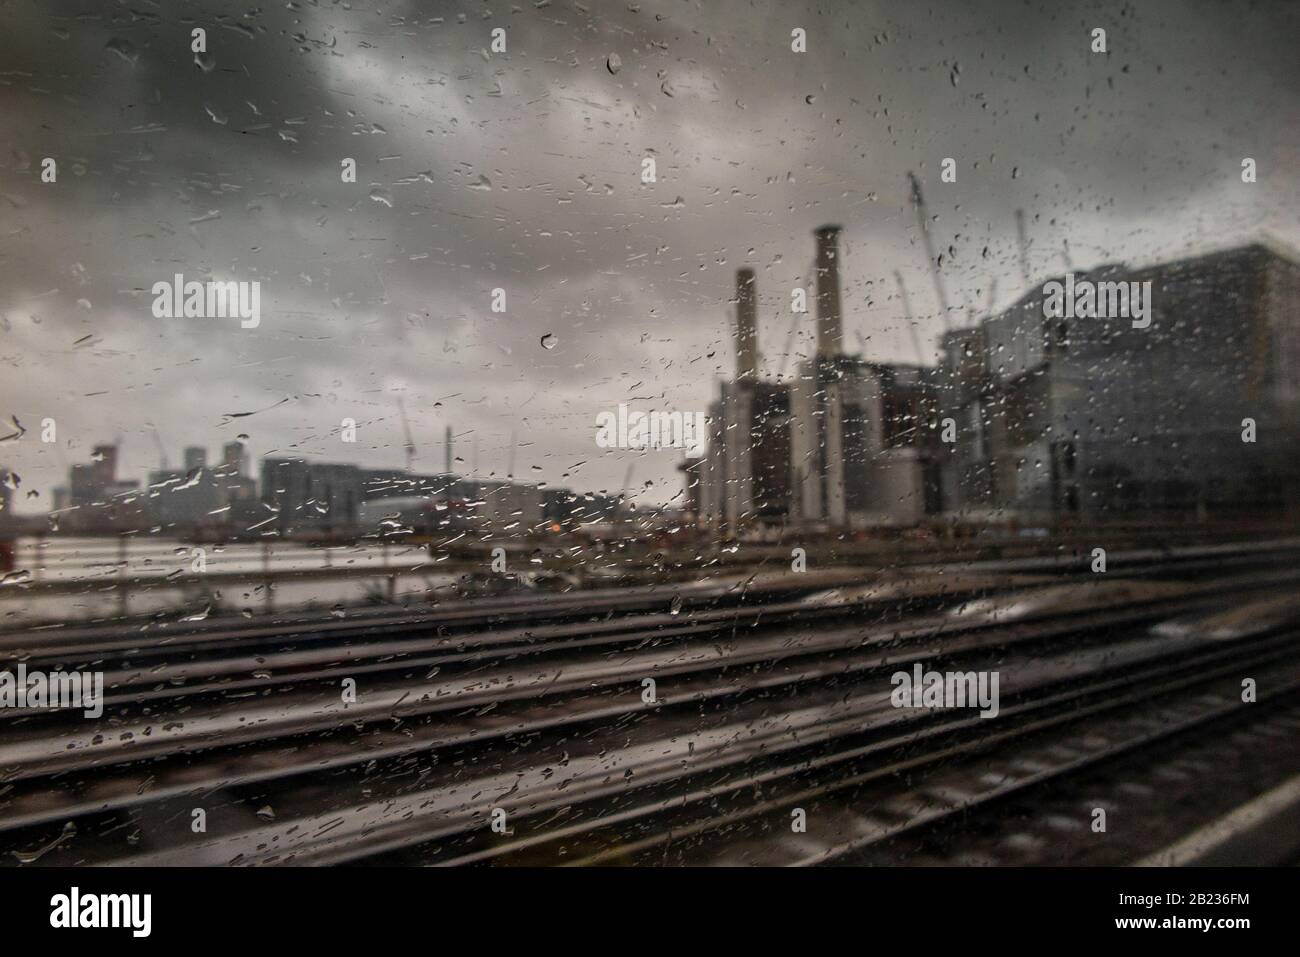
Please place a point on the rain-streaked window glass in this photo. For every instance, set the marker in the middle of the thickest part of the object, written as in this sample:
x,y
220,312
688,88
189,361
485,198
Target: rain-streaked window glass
x,y
649,433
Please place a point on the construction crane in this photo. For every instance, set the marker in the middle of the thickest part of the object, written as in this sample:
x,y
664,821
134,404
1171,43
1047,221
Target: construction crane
x,y
911,320
993,297
1022,239
918,201
410,440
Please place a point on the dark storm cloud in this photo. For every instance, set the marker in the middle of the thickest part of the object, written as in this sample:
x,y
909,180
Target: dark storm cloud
x,y
520,170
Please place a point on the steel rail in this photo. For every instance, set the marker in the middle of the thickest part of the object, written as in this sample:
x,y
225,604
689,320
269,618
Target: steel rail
x,y
45,747
1059,711
405,819
66,643
157,679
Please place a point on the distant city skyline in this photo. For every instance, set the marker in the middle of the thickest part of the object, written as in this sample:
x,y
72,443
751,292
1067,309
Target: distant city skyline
x,y
289,496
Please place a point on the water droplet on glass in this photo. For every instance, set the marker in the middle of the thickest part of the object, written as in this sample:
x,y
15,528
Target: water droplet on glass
x,y
200,616
32,856
123,48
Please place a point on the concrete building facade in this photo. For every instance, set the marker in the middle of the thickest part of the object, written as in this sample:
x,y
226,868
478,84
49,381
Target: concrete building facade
x,y
1092,416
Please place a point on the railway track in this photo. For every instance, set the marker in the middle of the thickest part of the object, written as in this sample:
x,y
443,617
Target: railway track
x,y
554,731
602,670
169,662
217,635
1093,723
894,824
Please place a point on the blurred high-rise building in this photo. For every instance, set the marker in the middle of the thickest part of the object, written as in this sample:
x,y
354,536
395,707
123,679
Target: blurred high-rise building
x,y
1197,413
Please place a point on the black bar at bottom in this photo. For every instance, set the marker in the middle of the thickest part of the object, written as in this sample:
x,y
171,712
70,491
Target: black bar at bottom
x,y
375,907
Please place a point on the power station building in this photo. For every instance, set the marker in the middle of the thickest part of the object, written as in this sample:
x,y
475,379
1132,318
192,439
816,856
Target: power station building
x,y
1193,409
862,450
843,444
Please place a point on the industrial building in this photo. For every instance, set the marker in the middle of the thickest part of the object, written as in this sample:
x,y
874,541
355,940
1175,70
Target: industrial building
x,y
744,474
95,499
332,498
96,483
311,496
862,452
1194,410
844,444
199,496
1095,416
300,497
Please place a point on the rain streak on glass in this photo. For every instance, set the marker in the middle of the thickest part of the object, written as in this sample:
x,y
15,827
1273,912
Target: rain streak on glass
x,y
647,433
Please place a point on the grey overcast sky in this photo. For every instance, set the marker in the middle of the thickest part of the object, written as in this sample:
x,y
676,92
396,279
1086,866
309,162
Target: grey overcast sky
x,y
522,170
